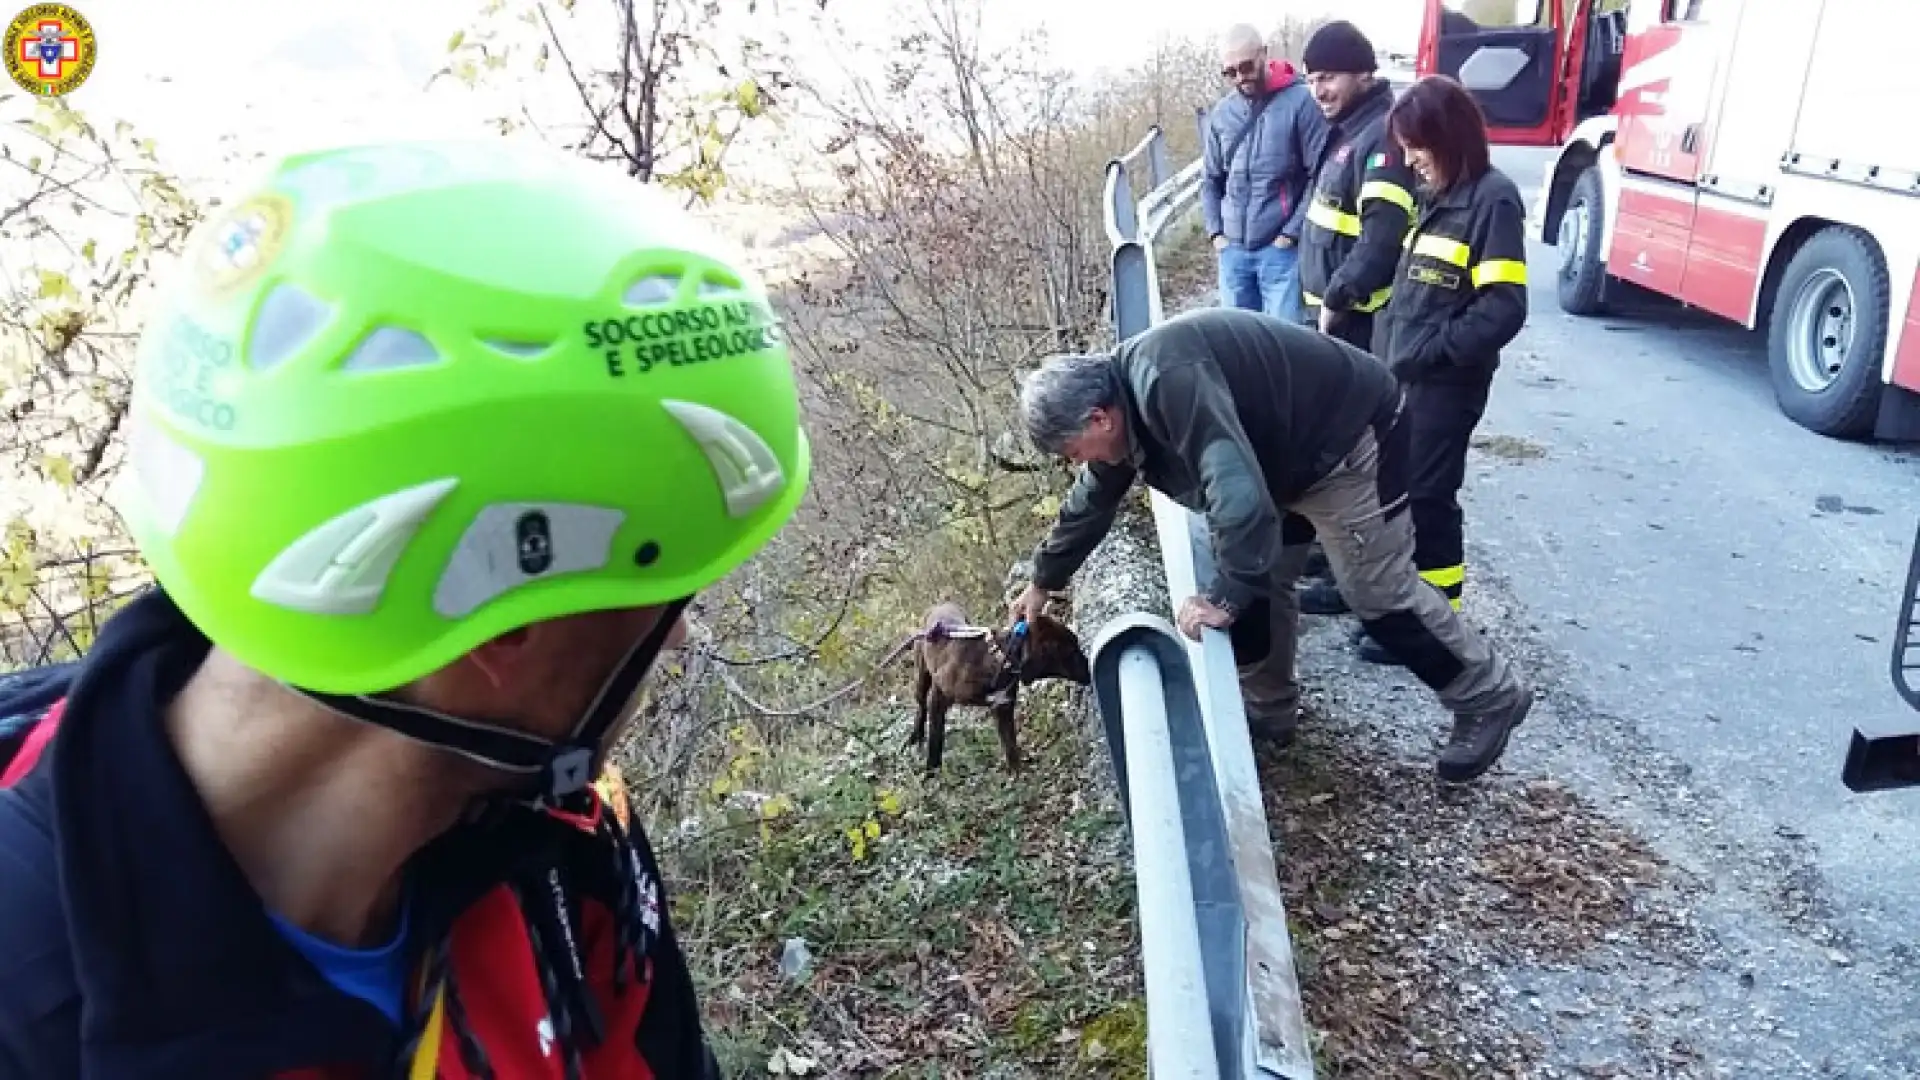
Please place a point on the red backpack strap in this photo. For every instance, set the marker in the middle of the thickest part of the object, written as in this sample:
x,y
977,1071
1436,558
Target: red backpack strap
x,y
35,744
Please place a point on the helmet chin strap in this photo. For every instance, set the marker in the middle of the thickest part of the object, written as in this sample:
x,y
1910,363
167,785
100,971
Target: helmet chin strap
x,y
551,772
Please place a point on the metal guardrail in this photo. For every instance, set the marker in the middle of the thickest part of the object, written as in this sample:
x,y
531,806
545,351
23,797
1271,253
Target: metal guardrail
x,y
1223,998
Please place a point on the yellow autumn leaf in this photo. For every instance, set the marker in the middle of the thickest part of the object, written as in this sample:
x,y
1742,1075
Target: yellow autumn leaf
x,y
857,840
747,97
58,469
872,829
889,803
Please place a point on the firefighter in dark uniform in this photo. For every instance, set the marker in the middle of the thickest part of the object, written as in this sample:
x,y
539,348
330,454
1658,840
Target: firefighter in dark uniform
x,y
1459,297
1358,213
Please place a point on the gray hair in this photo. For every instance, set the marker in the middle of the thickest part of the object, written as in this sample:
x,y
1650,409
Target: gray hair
x,y
1059,398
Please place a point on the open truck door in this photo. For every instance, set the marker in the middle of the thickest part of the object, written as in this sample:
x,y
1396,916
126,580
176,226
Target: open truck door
x,y
1886,762
1513,56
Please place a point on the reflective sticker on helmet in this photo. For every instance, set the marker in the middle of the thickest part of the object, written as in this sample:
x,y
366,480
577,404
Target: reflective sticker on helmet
x,y
743,464
511,544
163,474
636,343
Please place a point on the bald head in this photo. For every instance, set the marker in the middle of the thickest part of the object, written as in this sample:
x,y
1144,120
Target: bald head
x,y
1241,42
1243,58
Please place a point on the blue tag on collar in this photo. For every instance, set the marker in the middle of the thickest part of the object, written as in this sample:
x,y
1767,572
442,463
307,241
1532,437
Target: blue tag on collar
x,y
1020,628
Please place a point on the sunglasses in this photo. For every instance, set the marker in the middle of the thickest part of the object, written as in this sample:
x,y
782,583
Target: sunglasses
x,y
1240,70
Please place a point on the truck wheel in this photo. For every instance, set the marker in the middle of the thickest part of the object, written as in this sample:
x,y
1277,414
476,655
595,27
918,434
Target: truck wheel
x,y
1827,334
1583,270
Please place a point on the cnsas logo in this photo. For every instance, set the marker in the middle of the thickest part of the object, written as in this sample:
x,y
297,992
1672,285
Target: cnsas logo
x,y
49,49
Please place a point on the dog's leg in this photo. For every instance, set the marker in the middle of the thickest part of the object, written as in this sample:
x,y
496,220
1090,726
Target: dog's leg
x,y
1003,722
937,706
922,687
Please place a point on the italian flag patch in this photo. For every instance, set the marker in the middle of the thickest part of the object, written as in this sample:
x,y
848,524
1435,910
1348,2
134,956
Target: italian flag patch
x,y
1377,160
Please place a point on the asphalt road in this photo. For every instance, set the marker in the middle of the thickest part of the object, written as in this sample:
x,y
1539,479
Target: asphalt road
x,y
1717,588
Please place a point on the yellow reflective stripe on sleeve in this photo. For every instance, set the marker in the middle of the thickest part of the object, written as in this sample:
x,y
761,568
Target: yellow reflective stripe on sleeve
x,y
1445,577
426,1056
1366,307
1388,190
1333,220
1439,247
1500,272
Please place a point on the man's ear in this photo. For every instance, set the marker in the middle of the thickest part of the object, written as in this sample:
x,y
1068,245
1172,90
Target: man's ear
x,y
499,660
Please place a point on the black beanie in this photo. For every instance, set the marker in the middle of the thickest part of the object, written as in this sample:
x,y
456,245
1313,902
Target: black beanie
x,y
1339,48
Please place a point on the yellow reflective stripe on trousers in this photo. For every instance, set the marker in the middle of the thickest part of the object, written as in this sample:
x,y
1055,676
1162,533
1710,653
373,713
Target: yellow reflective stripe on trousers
x,y
1333,220
1366,307
1388,190
1500,272
426,1056
1450,580
1439,247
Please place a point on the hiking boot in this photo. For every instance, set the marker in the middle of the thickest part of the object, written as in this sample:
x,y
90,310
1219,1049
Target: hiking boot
x,y
1317,564
1479,739
1372,651
1323,598
1274,731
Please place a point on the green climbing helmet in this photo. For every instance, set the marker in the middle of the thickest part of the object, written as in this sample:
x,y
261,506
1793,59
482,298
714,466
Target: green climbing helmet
x,y
400,399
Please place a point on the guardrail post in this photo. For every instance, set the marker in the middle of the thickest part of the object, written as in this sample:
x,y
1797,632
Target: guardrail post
x,y
1157,166
1123,220
1191,927
1237,909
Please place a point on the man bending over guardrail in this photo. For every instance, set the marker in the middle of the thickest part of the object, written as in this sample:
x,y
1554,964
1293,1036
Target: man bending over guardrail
x,y
1266,427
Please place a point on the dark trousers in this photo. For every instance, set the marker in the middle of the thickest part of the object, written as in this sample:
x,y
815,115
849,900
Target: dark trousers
x,y
1441,417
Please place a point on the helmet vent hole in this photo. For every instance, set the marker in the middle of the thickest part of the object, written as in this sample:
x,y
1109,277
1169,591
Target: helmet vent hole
x,y
389,347
652,290
519,350
289,318
648,554
713,287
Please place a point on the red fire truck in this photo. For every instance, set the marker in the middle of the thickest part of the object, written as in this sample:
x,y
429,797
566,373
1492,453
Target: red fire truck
x,y
1752,158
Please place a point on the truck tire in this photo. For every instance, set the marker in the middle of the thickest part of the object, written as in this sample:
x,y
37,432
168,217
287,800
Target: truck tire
x,y
1583,268
1827,333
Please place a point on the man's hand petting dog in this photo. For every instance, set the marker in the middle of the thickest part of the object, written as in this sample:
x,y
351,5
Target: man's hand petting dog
x,y
1197,614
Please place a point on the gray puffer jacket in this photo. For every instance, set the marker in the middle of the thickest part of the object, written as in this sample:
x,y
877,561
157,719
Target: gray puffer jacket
x,y
1261,194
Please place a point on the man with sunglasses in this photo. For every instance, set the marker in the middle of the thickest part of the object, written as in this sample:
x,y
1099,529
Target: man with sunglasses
x,y
1259,145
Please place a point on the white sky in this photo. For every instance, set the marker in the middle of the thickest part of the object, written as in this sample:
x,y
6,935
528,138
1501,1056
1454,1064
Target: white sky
x,y
275,74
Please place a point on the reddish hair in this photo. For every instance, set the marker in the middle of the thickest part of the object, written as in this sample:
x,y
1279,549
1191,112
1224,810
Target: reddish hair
x,y
1437,115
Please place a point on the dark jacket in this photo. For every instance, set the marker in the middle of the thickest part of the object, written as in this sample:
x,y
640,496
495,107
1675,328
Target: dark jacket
x,y
132,948
1361,209
1233,414
1460,294
1260,195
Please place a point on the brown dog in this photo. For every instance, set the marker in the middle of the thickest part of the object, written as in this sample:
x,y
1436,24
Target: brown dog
x,y
957,664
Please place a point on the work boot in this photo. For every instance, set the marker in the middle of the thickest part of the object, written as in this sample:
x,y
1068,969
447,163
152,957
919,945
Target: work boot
x,y
1479,739
1372,651
1322,598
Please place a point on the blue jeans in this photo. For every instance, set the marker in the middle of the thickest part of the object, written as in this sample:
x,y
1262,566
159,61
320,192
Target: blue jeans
x,y
1262,279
